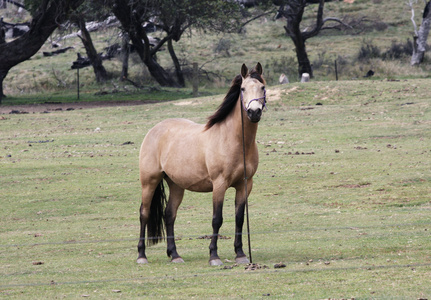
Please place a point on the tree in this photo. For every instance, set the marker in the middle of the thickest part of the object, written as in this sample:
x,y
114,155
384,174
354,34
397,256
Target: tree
x,y
132,15
125,50
421,35
93,56
94,11
293,11
47,16
174,18
178,16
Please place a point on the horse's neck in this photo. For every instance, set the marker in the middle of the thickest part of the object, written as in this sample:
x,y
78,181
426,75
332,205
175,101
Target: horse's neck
x,y
236,124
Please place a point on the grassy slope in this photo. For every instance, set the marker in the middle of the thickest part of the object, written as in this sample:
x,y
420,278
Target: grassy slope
x,y
341,197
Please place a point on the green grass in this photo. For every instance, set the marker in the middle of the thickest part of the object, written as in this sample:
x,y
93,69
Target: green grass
x,y
342,194
341,197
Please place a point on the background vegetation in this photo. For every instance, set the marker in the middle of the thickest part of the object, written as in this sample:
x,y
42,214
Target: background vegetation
x,y
379,40
341,197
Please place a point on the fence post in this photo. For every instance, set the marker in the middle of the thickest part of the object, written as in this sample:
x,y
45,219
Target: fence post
x,y
77,80
195,79
336,71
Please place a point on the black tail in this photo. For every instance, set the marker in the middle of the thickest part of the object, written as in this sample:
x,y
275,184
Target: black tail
x,y
156,219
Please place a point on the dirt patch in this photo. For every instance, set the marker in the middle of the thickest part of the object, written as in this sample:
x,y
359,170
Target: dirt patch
x,y
273,94
185,103
51,107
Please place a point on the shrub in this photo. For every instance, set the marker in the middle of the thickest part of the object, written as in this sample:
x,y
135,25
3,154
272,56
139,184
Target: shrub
x,y
398,50
368,51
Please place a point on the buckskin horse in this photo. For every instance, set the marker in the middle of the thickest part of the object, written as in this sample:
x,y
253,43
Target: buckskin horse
x,y
202,158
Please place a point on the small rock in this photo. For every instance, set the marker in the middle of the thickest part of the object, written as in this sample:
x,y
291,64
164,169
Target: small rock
x,y
283,79
305,77
279,265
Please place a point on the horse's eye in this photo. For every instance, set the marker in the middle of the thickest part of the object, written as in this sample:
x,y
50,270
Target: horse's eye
x,y
242,89
263,88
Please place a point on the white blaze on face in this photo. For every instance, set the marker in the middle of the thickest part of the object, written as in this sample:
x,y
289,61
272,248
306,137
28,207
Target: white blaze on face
x,y
253,93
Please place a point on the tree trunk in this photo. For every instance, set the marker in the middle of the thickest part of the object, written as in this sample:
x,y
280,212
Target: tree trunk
x,y
420,41
2,77
2,32
304,65
125,50
294,12
139,38
179,72
45,21
159,74
95,59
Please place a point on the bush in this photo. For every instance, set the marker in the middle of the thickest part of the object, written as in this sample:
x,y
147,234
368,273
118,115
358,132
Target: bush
x,y
398,50
368,51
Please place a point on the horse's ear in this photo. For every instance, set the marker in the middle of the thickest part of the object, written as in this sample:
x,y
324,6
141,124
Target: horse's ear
x,y
259,68
244,71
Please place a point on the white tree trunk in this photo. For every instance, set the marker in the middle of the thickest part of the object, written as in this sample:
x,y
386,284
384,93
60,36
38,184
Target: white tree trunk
x,y
420,41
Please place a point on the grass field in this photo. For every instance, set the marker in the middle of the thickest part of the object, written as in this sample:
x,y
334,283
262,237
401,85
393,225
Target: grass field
x,y
341,197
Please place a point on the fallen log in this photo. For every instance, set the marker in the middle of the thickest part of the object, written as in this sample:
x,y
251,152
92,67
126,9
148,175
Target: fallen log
x,y
53,53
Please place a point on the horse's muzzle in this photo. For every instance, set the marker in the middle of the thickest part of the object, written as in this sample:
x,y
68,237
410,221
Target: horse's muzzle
x,y
254,115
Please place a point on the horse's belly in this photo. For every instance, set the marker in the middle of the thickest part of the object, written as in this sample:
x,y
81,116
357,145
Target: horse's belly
x,y
204,186
193,184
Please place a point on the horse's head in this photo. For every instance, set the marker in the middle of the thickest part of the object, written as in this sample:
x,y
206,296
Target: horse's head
x,y
253,94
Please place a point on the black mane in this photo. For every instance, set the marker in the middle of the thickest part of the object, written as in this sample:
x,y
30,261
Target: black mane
x,y
230,100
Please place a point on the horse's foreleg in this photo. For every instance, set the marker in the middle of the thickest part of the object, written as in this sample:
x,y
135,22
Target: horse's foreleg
x,y
239,221
175,198
240,202
217,221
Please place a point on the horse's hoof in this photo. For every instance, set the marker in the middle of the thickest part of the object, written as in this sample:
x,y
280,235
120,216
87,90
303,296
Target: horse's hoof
x,y
142,260
242,260
216,262
177,260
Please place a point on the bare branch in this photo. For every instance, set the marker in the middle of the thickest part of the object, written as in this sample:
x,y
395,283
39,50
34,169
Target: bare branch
x,y
16,3
335,20
410,5
319,22
159,44
256,17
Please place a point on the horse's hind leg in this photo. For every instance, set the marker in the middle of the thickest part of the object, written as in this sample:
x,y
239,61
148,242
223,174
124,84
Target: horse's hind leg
x,y
176,195
144,213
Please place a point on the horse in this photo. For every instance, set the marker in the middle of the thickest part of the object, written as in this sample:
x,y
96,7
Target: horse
x,y
202,158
